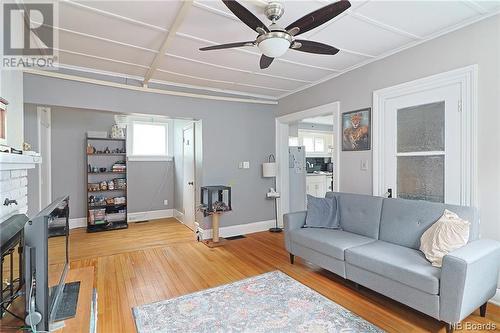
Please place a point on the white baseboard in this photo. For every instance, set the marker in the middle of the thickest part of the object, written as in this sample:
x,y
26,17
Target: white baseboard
x,y
179,216
496,299
80,222
240,229
151,215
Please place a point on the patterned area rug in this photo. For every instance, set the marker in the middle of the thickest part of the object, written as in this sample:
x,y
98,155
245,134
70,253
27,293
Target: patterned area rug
x,y
271,302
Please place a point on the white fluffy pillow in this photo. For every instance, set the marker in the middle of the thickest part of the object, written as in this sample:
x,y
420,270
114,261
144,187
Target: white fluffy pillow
x,y
448,233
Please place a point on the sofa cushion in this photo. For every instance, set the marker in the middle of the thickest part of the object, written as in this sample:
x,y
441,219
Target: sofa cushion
x,y
398,263
328,241
360,214
321,213
404,221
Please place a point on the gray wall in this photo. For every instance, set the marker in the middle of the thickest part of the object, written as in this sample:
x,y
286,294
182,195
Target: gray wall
x,y
149,183
476,44
232,132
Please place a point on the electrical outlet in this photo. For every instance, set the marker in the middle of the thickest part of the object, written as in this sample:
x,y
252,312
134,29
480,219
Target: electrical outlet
x,y
165,202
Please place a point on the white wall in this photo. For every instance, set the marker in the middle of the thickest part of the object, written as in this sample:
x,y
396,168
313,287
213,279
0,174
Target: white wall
x,y
12,90
476,44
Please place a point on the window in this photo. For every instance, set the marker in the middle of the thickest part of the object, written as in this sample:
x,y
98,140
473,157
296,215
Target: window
x,y
293,141
148,139
319,144
308,142
314,143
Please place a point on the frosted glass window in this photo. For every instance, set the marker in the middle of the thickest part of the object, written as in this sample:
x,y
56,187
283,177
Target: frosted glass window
x,y
149,139
421,177
308,142
319,145
421,128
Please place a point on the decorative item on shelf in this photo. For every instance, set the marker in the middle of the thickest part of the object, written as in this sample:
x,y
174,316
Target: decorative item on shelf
x,y
90,149
119,200
106,151
120,183
110,201
117,132
26,146
111,185
119,166
3,120
102,169
103,186
93,187
356,130
95,169
269,171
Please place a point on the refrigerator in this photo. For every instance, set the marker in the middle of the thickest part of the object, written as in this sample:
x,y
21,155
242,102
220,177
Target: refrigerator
x,y
297,178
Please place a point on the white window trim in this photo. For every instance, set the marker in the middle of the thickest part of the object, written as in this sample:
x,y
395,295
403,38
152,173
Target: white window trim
x,y
130,121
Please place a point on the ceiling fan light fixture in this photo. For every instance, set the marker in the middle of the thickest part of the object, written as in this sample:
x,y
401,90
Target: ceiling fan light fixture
x,y
274,44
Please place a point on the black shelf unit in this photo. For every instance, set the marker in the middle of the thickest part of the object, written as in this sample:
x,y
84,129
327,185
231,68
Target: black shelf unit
x,y
106,160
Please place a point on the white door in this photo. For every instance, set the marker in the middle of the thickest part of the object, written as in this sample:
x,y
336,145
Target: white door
x,y
422,145
189,177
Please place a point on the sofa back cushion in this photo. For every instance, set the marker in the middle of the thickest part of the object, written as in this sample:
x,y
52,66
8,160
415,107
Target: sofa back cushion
x,y
404,221
359,214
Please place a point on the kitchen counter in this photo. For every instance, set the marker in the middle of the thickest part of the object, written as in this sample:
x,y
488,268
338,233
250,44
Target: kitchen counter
x,y
327,174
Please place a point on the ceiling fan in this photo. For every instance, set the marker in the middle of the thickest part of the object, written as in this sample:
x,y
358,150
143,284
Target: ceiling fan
x,y
273,40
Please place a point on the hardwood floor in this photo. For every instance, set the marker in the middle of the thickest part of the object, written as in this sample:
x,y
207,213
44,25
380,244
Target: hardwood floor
x,y
157,260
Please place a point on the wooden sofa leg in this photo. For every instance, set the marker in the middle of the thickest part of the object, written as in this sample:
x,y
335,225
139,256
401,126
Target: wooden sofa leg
x,y
482,310
292,257
450,328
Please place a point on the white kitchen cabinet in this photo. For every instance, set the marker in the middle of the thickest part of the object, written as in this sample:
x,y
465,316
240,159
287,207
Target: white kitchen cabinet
x,y
316,185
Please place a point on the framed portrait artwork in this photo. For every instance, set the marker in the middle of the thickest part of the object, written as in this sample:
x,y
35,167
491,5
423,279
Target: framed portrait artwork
x,y
356,130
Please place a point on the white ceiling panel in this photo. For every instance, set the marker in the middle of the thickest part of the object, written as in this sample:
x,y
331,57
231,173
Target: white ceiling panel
x,y
214,27
162,76
353,34
289,70
99,64
159,13
182,66
489,5
269,81
96,47
97,24
340,61
420,18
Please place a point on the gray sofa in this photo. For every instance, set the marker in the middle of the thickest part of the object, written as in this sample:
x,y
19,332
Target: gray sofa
x,y
378,247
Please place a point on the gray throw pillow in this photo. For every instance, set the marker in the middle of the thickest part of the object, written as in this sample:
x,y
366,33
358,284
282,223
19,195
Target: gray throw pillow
x,y
321,213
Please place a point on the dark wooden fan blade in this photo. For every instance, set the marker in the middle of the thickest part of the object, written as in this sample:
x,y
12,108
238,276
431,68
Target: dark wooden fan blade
x,y
226,46
320,16
245,15
314,47
265,61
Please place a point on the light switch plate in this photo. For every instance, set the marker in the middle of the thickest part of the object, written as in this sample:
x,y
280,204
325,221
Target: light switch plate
x,y
165,202
246,165
364,165
240,165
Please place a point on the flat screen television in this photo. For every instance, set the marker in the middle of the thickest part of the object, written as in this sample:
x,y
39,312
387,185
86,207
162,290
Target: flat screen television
x,y
46,261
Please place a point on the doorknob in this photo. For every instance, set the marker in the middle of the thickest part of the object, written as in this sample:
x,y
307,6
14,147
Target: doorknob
x,y
190,183
388,194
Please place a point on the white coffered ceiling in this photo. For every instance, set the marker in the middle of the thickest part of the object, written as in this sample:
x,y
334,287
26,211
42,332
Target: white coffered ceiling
x,y
124,37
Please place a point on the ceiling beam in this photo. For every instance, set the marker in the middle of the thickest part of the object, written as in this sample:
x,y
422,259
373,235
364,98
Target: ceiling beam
x,y
169,36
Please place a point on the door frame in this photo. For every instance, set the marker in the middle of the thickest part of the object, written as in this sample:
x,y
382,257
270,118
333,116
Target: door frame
x,y
466,78
191,125
281,131
46,154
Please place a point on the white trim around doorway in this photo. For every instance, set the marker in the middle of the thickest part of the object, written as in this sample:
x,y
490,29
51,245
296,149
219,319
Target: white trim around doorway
x,y
466,78
282,127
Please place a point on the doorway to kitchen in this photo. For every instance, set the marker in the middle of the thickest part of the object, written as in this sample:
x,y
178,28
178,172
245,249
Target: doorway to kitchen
x,y
307,153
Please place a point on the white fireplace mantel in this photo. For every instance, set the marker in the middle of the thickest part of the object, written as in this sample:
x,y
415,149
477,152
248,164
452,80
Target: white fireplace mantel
x,y
18,162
